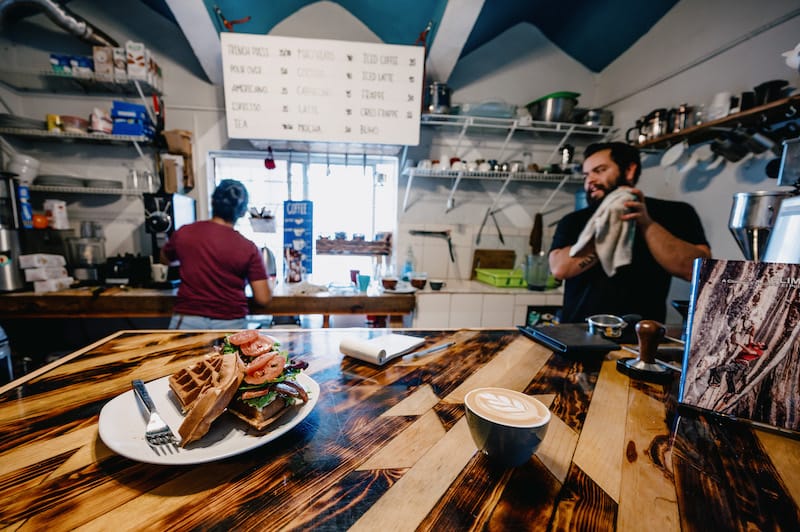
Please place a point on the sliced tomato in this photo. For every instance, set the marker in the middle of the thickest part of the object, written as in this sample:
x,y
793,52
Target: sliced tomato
x,y
243,337
257,347
261,371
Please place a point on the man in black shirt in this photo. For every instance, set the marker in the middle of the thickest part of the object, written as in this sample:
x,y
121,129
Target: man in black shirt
x,y
668,237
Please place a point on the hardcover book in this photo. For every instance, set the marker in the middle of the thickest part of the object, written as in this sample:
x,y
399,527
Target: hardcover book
x,y
742,359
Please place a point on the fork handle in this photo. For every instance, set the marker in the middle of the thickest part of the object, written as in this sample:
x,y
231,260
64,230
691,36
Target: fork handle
x,y
141,392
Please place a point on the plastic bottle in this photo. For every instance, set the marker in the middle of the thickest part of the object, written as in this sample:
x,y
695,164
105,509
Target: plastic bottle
x,y
408,265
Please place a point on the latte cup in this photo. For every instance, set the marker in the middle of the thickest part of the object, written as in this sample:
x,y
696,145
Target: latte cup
x,y
506,425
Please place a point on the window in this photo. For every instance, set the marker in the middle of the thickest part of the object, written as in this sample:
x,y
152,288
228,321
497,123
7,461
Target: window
x,y
351,194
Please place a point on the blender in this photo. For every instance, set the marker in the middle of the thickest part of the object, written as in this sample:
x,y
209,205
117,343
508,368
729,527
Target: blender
x,y
10,274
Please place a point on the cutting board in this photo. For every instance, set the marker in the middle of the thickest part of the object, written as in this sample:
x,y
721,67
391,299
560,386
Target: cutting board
x,y
493,258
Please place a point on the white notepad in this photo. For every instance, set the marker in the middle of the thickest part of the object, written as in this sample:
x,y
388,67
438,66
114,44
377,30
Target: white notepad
x,y
381,349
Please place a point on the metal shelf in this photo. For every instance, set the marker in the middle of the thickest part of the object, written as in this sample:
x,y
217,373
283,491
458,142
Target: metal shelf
x,y
62,83
531,177
83,137
557,132
86,190
518,125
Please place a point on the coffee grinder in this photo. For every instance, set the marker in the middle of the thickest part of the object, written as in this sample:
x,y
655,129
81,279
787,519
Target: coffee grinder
x,y
10,274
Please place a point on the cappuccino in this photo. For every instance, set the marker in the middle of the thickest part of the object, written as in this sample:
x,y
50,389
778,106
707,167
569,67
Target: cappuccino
x,y
507,407
506,425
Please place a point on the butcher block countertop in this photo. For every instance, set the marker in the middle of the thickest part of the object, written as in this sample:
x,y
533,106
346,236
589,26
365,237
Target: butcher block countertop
x,y
388,447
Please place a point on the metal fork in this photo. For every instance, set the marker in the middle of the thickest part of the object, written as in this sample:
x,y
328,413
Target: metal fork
x,y
158,434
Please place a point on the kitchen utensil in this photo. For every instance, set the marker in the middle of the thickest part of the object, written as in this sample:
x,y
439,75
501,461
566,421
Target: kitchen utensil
x,y
680,118
752,218
535,239
638,133
720,106
157,433
769,91
644,367
657,124
555,107
607,325
438,98
598,117
441,234
673,154
497,226
537,270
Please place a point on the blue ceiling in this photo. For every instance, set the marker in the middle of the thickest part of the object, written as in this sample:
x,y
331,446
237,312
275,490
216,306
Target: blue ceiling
x,y
593,32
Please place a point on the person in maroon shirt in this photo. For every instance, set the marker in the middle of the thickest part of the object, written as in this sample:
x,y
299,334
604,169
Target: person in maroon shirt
x,y
216,263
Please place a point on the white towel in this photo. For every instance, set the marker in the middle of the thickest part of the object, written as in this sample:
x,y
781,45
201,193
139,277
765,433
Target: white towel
x,y
613,238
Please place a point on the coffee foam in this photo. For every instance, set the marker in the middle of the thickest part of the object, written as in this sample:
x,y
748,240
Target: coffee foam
x,y
507,407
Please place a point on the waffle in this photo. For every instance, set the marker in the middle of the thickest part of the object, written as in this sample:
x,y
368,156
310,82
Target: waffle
x,y
204,391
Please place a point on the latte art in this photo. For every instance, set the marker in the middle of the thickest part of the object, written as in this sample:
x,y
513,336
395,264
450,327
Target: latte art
x,y
507,407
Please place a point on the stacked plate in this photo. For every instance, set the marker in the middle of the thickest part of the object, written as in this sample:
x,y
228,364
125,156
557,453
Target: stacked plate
x,y
102,183
58,181
21,122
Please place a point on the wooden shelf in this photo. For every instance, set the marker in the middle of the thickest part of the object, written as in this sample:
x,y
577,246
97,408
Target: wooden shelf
x,y
327,246
773,112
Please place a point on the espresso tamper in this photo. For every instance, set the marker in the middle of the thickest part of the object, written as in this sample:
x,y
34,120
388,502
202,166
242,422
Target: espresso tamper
x,y
645,367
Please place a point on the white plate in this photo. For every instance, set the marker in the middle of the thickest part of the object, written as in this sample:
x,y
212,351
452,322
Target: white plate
x,y
401,290
122,423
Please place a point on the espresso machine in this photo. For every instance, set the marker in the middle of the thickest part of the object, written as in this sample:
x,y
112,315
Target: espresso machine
x,y
10,274
164,214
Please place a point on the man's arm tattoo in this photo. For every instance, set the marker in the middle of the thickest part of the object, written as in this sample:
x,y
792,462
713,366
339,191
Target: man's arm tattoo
x,y
587,260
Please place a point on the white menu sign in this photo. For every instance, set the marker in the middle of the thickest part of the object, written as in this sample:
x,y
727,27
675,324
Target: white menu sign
x,y
288,88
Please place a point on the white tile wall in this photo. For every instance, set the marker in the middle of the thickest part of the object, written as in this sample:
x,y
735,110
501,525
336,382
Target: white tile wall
x,y
468,304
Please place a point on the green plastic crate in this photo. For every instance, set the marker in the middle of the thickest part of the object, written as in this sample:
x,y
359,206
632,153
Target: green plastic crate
x,y
501,278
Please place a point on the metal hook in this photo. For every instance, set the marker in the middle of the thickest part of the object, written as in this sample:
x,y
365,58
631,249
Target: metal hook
x,y
791,112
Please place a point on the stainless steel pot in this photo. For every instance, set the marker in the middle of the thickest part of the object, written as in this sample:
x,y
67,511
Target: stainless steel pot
x,y
598,117
556,107
752,218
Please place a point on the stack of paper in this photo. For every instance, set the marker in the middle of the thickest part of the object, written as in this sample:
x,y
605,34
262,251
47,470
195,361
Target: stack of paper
x,y
381,349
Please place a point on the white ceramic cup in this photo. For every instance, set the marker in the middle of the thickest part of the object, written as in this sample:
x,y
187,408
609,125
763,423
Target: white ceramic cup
x,y
506,425
159,272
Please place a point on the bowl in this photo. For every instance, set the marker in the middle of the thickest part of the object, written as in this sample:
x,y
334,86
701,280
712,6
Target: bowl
x,y
555,107
389,283
608,325
419,282
436,284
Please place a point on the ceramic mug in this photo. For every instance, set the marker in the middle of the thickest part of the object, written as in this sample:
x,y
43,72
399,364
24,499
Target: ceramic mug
x,y
159,272
506,425
436,284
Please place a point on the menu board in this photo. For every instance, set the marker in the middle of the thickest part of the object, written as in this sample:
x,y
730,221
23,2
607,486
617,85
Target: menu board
x,y
288,88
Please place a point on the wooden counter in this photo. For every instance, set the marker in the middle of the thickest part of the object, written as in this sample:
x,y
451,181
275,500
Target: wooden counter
x,y
387,448
148,303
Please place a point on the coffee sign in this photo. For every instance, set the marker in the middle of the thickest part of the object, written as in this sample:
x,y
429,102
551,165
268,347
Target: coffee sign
x,y
288,88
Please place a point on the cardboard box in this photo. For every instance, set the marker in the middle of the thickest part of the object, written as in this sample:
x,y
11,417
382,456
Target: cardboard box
x,y
103,63
179,141
173,173
120,65
137,60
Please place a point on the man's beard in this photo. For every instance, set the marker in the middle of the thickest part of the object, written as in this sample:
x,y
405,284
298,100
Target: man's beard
x,y
595,201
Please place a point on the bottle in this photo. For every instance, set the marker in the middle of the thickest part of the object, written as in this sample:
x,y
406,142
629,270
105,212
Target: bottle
x,y
408,265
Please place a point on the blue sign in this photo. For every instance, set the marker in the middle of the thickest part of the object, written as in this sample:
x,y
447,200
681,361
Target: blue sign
x,y
298,243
